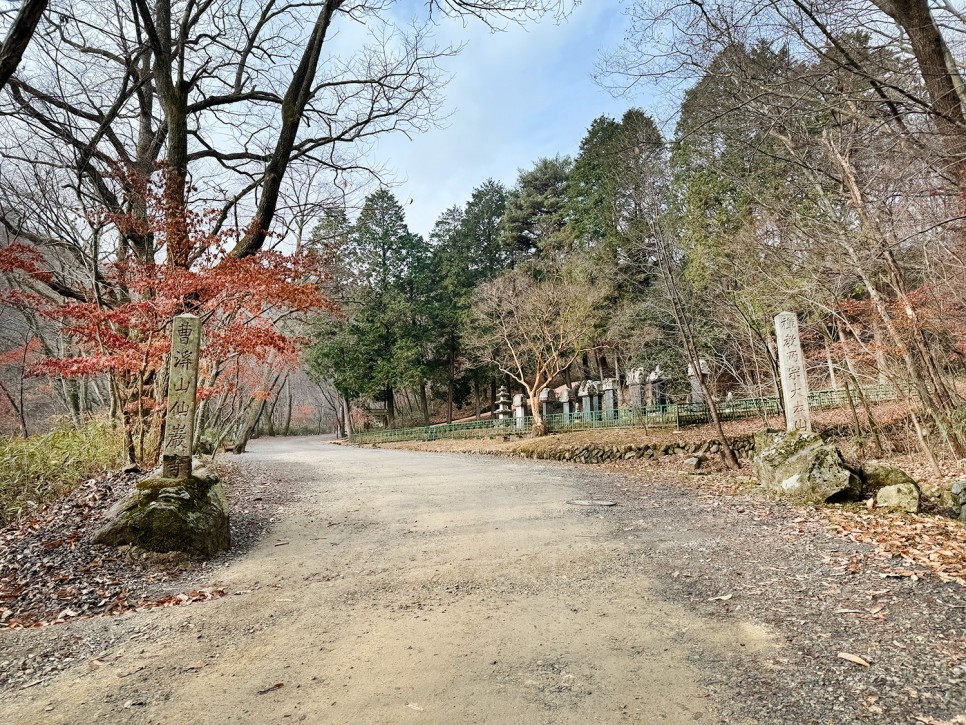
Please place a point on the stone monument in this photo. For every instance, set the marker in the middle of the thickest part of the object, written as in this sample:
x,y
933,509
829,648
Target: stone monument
x,y
566,401
519,409
697,392
185,507
589,393
548,402
179,426
610,403
791,364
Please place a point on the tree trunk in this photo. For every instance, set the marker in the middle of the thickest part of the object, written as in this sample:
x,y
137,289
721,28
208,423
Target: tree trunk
x,y
687,338
857,427
880,359
18,409
18,37
347,413
939,75
247,430
424,403
390,407
539,428
287,427
833,381
452,381
296,98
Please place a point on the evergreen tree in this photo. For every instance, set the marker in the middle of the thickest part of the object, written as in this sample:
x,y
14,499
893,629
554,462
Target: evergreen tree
x,y
384,276
536,210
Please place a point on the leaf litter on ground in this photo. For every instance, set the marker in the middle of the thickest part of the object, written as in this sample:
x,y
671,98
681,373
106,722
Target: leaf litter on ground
x,y
52,572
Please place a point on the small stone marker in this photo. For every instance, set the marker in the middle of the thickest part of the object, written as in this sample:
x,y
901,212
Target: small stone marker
x,y
791,363
179,426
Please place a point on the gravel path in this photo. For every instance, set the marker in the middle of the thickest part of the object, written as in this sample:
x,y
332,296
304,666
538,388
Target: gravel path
x,y
393,586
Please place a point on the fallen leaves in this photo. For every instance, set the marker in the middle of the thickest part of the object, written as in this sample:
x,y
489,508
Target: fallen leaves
x,y
50,572
934,543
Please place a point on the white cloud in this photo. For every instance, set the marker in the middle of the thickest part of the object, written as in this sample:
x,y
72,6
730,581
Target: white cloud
x,y
515,96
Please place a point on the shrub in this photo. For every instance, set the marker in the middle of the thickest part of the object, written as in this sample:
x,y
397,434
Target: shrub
x,y
36,470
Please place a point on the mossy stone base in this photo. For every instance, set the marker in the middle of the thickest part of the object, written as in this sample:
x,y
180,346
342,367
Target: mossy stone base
x,y
167,514
802,467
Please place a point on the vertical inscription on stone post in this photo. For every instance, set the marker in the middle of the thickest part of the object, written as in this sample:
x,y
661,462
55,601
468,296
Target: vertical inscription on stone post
x,y
179,424
791,364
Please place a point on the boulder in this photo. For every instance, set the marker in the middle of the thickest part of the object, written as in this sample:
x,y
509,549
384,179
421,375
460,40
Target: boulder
x,y
879,475
801,466
900,497
166,514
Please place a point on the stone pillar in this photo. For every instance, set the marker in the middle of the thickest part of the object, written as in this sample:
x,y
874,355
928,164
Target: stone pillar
x,y
610,403
179,421
567,404
791,364
519,409
503,411
589,393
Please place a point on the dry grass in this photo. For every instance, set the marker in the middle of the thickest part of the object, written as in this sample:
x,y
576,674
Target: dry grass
x,y
35,470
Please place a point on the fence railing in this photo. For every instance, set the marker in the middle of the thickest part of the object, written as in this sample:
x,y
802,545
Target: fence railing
x,y
655,416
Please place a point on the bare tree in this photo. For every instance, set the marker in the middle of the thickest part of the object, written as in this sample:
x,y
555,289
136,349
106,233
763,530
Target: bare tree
x,y
205,111
533,324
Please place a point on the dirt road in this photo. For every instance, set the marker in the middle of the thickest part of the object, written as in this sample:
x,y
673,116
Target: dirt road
x,y
404,587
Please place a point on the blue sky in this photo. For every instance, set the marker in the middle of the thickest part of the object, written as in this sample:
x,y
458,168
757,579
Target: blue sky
x,y
514,97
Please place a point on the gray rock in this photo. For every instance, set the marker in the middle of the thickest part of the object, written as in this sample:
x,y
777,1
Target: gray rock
x,y
166,514
879,475
692,464
801,466
901,497
954,499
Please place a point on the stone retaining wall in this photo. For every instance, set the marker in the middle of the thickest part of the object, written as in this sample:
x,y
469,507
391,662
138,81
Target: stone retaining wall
x,y
594,453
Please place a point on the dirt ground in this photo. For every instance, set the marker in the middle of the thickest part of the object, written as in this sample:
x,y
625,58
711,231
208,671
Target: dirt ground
x,y
396,586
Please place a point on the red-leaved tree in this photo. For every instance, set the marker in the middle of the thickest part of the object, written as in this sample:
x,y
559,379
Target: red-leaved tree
x,y
119,318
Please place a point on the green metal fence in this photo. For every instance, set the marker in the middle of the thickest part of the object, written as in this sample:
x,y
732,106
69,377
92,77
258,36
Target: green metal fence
x,y
657,416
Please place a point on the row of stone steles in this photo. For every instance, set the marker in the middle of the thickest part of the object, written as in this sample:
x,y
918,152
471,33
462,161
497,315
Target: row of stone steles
x,y
588,400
